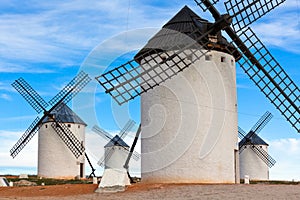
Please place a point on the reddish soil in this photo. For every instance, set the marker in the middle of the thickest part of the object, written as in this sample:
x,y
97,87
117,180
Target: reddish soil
x,y
153,191
51,190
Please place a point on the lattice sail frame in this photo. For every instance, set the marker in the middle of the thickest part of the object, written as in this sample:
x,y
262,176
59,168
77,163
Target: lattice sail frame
x,y
25,138
30,95
262,68
70,140
130,80
202,6
262,122
273,81
245,12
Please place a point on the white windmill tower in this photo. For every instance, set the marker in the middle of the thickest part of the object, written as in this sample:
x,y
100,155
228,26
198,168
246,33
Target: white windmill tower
x,y
55,160
115,160
62,133
186,77
254,158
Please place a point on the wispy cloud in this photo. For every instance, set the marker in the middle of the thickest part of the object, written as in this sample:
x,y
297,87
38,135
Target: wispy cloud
x,y
27,157
5,97
64,32
287,154
283,31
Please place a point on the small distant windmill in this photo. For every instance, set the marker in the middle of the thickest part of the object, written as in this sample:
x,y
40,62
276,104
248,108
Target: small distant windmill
x,y
59,116
116,158
113,141
254,158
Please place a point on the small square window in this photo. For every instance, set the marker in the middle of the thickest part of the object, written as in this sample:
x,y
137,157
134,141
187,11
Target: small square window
x,y
208,57
69,125
223,59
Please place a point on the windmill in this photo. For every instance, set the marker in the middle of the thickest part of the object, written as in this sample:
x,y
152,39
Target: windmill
x,y
116,140
254,158
58,159
167,54
116,158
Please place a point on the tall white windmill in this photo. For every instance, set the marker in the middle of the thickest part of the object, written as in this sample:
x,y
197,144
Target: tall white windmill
x,y
186,78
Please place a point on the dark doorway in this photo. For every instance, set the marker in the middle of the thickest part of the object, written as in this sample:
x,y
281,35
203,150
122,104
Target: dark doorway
x,y
81,170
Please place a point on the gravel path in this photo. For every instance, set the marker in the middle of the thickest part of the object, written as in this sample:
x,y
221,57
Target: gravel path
x,y
155,191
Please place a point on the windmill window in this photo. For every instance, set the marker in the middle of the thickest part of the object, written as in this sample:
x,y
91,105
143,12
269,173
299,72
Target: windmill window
x,y
223,59
69,125
232,62
46,126
78,126
208,57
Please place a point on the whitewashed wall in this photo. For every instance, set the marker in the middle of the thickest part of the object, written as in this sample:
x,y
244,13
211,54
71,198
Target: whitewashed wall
x,y
55,160
189,124
115,157
252,165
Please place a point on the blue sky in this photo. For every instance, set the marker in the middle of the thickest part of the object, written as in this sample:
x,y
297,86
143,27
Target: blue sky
x,y
47,43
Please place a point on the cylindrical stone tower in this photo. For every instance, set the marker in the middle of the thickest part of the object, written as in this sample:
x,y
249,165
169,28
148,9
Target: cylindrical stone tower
x,y
55,160
189,123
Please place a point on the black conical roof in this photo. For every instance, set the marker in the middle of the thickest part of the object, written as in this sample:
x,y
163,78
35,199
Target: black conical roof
x,y
116,141
65,115
182,30
255,140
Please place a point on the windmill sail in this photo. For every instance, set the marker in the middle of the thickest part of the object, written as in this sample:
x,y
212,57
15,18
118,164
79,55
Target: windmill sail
x,y
271,79
245,12
70,140
70,90
261,66
262,122
264,156
30,95
26,137
102,132
201,5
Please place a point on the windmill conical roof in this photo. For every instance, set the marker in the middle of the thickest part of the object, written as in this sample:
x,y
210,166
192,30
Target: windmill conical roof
x,y
65,115
182,30
116,141
254,139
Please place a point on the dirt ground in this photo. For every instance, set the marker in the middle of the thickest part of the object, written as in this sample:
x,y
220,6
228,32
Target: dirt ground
x,y
154,191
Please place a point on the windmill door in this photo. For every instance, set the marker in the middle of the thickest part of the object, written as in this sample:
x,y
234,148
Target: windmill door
x,y
81,170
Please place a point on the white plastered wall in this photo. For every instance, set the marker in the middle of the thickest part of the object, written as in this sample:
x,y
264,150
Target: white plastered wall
x,y
252,165
115,157
55,160
189,124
